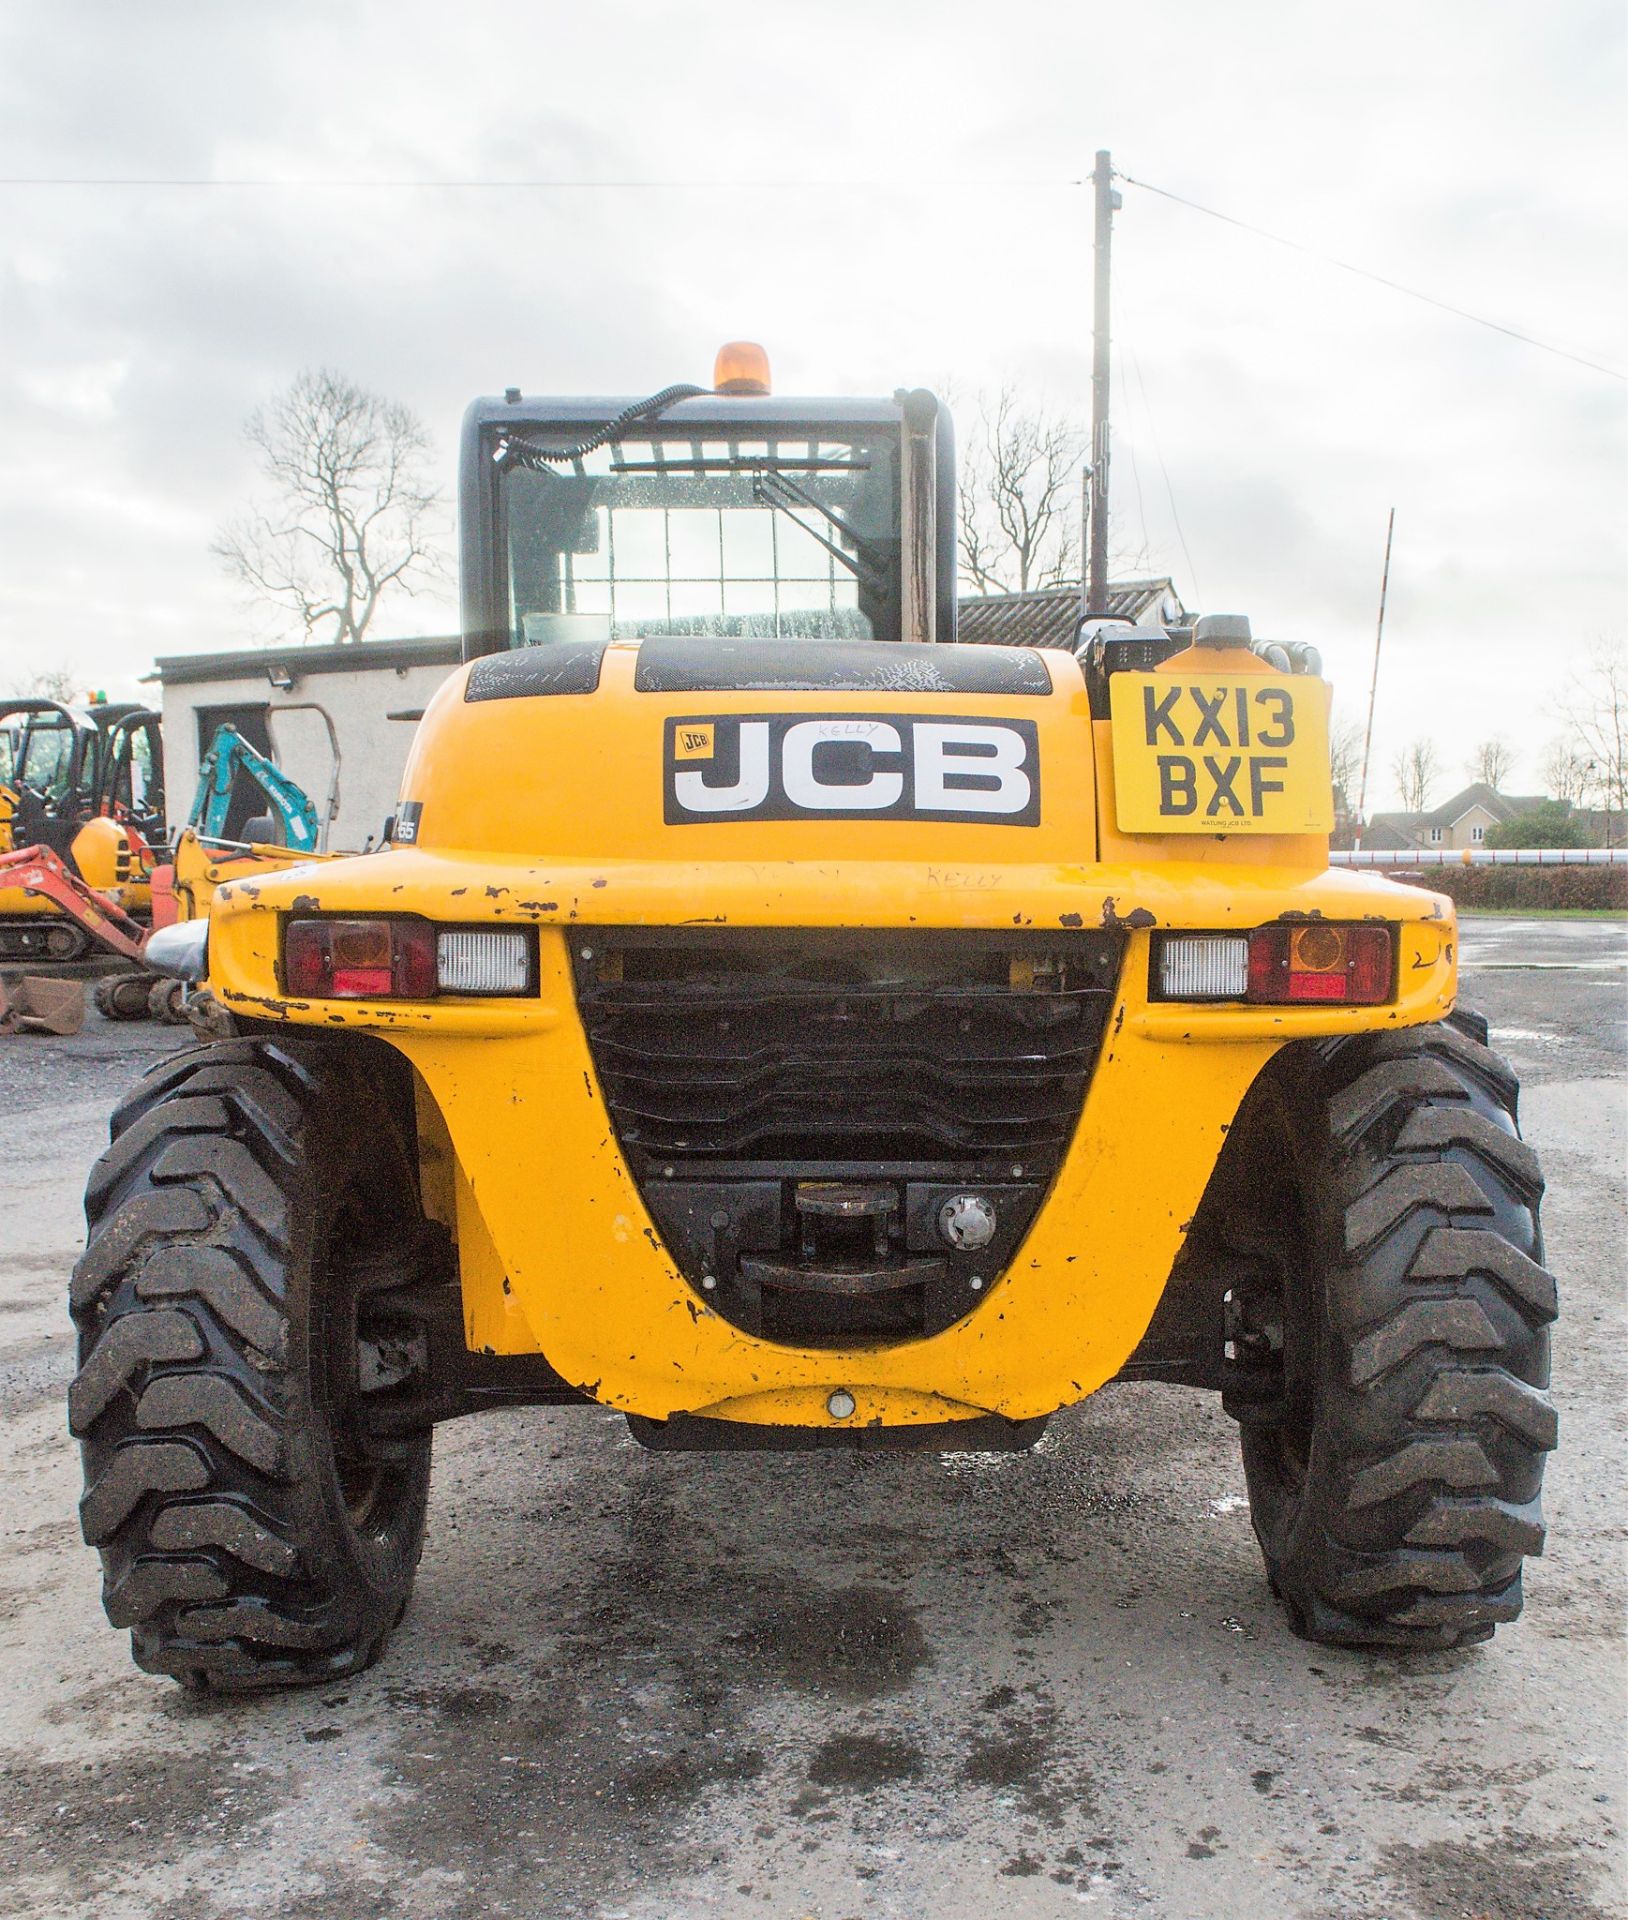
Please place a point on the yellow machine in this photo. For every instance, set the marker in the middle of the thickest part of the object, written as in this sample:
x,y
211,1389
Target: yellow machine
x,y
88,783
201,866
785,1025
85,853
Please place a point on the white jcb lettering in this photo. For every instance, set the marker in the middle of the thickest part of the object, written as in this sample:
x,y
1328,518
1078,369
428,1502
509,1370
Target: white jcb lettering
x,y
969,769
786,767
751,787
801,776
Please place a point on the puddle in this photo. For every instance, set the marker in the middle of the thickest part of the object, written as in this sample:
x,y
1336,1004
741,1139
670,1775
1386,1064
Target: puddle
x,y
1472,965
963,1465
1531,1036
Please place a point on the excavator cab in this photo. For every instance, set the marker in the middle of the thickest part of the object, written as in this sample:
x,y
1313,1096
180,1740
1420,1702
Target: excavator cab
x,y
131,784
48,763
87,785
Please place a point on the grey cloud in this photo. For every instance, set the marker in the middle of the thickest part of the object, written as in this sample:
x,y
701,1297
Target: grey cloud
x,y
1293,405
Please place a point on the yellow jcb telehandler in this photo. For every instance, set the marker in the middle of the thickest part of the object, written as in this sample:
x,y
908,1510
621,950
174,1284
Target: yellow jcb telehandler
x,y
780,1023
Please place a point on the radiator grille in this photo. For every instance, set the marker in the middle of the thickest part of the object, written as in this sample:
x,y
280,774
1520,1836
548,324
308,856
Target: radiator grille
x,y
777,1057
857,1076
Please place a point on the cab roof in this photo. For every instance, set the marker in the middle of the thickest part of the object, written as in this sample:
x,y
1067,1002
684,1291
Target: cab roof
x,y
759,411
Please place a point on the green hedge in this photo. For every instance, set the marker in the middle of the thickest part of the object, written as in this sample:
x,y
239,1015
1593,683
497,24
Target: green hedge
x,y
1524,887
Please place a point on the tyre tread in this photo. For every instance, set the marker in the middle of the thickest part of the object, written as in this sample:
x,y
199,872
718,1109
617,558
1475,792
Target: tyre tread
x,y
213,1549
1432,1402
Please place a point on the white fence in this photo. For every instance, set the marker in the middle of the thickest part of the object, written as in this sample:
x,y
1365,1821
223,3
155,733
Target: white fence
x,y
1488,857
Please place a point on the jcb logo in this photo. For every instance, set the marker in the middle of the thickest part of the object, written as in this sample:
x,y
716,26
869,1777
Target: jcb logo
x,y
795,766
1219,785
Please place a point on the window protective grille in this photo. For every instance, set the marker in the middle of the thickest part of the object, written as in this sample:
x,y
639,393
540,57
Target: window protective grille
x,y
720,557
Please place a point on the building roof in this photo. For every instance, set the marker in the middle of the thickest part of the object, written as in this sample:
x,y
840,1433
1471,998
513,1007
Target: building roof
x,y
1502,806
1042,619
257,663
1397,831
1383,834
1047,618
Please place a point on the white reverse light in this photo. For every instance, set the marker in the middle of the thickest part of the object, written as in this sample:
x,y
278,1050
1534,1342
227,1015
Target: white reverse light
x,y
1203,966
469,960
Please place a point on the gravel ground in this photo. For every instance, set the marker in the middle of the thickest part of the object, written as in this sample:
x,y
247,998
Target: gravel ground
x,y
672,1687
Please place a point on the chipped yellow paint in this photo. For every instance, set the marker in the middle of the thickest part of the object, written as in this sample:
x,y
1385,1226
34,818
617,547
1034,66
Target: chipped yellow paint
x,y
806,1407
201,868
557,1250
493,1323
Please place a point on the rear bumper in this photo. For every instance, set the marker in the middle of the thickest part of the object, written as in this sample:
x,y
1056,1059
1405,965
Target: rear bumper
x,y
558,1251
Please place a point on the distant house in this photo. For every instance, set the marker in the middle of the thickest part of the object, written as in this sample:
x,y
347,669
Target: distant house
x,y
1463,821
1047,617
1602,826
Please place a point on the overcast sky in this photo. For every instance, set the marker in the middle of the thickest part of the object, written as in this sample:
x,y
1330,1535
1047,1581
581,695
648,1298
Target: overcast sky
x,y
882,195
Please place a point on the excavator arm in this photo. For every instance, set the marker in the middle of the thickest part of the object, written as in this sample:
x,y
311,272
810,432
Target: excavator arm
x,y
230,755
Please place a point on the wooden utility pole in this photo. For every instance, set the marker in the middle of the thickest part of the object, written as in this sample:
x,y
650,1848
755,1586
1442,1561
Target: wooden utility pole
x,y
1373,684
1106,200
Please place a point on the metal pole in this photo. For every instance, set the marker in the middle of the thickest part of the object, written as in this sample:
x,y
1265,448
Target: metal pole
x,y
1102,180
1373,684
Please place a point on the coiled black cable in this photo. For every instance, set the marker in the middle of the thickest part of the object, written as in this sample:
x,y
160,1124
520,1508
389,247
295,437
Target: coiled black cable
x,y
512,452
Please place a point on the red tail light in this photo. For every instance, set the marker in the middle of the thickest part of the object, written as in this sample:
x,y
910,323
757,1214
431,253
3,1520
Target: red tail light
x,y
375,959
1319,962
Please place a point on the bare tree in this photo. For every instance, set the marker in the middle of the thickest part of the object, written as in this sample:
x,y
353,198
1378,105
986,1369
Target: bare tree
x,y
1020,478
351,513
1493,761
1415,769
1345,759
55,683
1564,771
1344,773
1596,707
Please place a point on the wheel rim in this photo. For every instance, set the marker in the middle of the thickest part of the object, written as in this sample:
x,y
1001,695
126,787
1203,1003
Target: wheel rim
x,y
1281,1304
372,1484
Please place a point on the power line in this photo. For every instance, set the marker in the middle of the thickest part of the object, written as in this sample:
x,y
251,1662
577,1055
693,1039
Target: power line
x,y
1380,279
1145,559
325,184
634,185
1130,444
1169,491
1373,685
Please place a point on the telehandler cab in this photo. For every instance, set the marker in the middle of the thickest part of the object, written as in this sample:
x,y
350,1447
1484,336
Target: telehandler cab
x,y
789,1027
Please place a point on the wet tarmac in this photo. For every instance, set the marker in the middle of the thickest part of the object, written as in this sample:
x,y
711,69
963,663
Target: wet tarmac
x,y
641,1687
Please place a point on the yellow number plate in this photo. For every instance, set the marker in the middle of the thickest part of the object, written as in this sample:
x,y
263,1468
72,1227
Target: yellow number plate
x,y
1213,753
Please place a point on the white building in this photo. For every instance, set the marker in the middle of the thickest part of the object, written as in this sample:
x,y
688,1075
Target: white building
x,y
374,691
281,699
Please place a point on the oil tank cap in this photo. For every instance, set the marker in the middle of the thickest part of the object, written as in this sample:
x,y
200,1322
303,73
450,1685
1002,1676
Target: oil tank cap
x,y
1221,630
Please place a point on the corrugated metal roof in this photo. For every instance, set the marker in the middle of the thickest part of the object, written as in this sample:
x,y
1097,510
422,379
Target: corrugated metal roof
x,y
1042,619
251,663
1047,618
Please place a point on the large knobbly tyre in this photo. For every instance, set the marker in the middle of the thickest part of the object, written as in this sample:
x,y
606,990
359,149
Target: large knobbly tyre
x,y
166,1003
122,996
256,1196
1395,1487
